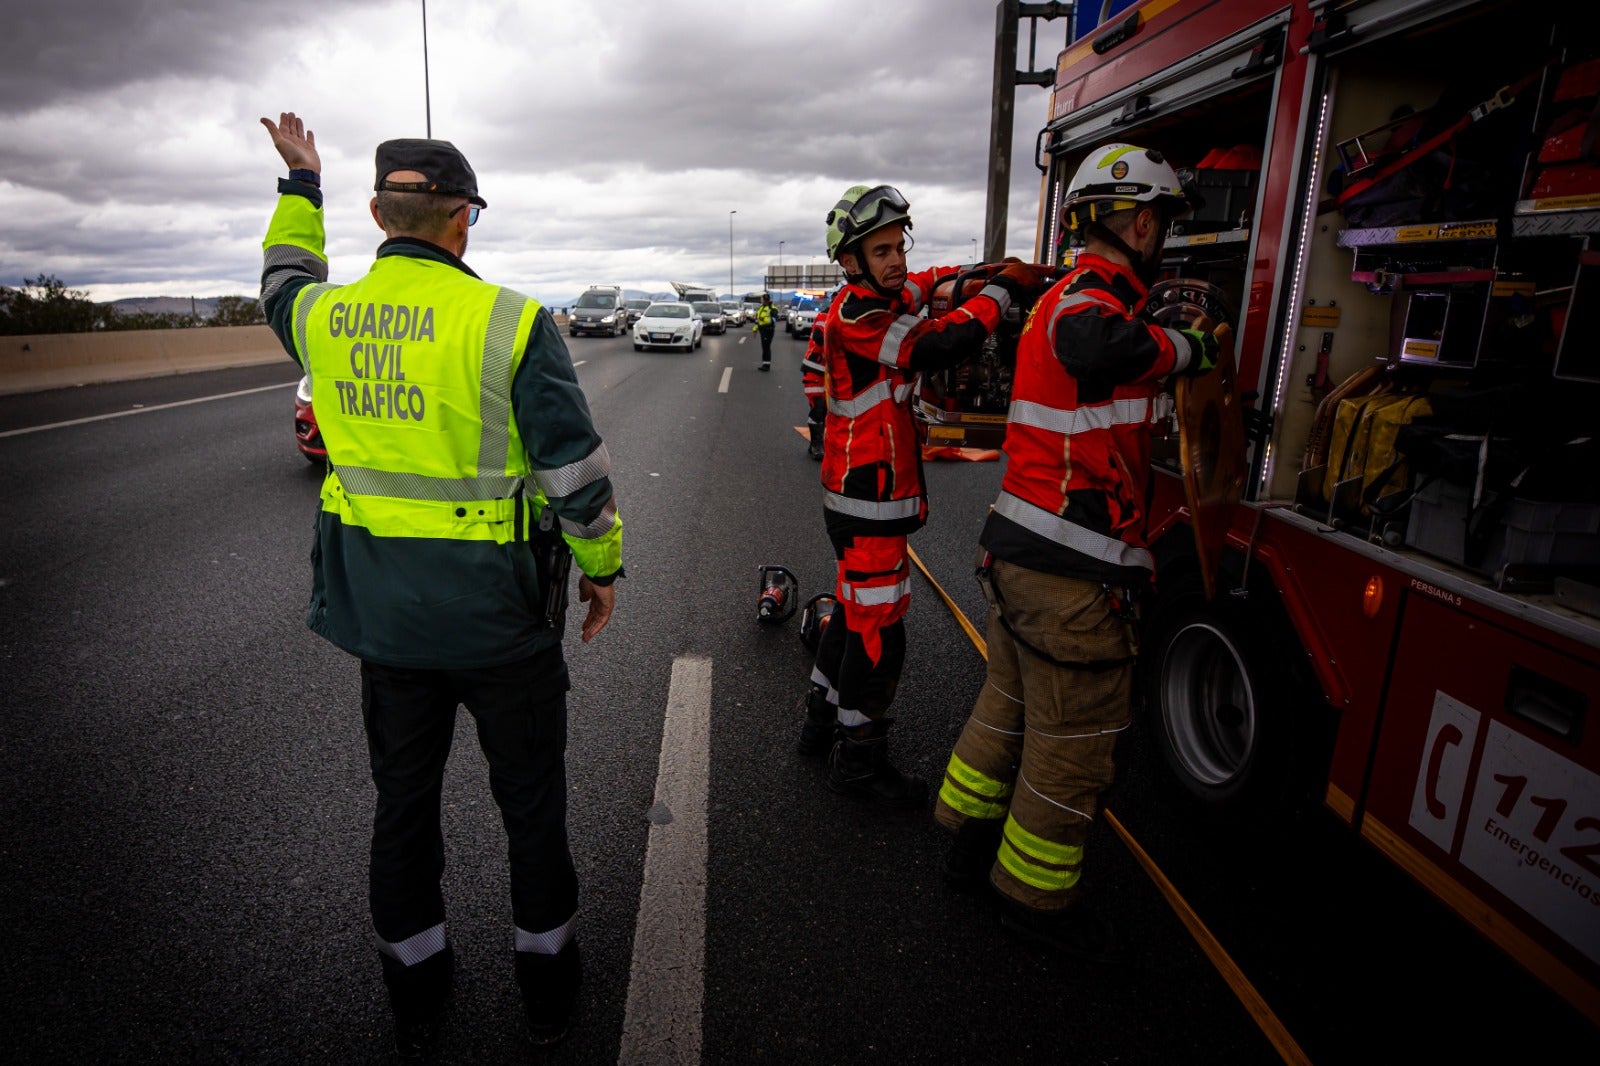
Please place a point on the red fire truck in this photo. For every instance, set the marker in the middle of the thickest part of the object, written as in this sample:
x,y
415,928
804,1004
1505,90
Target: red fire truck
x,y
1402,200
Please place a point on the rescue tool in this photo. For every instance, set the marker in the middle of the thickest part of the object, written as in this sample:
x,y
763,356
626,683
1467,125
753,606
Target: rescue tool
x,y
780,592
814,619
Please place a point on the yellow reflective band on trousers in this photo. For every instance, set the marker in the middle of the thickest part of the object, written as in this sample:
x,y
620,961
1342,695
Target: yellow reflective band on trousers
x,y
971,793
1035,861
411,370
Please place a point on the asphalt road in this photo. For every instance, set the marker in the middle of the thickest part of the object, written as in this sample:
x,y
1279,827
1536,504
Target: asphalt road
x,y
186,802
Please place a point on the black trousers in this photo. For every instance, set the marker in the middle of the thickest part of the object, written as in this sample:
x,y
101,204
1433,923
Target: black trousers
x,y
766,343
521,714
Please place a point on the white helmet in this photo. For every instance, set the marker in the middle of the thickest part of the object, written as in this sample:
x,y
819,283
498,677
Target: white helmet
x,y
1118,177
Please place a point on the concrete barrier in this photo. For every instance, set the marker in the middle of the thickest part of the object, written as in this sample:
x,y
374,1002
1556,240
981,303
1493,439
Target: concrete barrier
x,y
34,362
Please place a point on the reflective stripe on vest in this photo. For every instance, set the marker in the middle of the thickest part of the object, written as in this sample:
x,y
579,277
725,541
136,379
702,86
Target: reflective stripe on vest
x,y
882,390
1071,535
305,298
397,485
884,511
1100,416
916,294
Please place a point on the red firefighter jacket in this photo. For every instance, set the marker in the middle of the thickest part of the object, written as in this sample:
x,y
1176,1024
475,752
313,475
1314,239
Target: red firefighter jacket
x,y
873,348
1075,493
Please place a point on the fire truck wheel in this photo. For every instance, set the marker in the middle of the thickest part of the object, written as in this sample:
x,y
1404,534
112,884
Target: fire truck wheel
x,y
1211,692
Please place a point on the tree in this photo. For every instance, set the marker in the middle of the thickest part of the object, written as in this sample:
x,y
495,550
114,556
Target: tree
x,y
237,311
45,305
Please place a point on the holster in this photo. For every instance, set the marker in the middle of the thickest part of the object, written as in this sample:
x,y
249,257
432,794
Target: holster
x,y
552,561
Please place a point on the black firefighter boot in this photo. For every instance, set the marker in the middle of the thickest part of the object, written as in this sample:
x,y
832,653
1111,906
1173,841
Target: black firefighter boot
x,y
859,767
815,449
818,732
971,857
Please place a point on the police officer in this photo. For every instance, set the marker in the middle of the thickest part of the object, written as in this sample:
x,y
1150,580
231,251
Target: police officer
x,y
455,428
764,327
874,346
1065,540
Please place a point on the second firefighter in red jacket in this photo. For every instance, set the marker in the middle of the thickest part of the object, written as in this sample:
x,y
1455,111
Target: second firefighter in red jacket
x,y
873,347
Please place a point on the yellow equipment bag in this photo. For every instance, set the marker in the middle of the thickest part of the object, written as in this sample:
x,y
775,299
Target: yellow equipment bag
x,y
1363,440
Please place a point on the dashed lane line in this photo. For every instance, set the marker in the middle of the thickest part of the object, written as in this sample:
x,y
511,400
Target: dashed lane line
x,y
666,982
727,373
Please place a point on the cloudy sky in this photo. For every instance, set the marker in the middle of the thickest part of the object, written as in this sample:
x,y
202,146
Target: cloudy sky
x,y
611,139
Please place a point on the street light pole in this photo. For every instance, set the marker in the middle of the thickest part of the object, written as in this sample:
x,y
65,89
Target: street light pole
x,y
780,254
974,251
730,250
427,97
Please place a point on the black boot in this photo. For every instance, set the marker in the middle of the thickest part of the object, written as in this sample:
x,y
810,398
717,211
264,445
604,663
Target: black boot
x,y
1077,932
549,986
971,856
859,767
819,730
419,996
815,449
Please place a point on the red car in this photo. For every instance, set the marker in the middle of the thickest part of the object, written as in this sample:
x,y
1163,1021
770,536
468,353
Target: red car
x,y
306,434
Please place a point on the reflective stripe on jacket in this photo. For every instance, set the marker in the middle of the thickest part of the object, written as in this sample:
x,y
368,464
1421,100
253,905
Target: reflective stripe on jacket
x,y
873,349
1077,442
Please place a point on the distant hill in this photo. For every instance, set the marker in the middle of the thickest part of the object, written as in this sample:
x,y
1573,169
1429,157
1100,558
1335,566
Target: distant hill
x,y
203,307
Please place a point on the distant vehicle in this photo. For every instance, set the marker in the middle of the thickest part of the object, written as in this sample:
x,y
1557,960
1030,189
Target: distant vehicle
x,y
667,325
733,313
806,317
803,302
711,317
632,309
307,436
689,292
748,304
600,311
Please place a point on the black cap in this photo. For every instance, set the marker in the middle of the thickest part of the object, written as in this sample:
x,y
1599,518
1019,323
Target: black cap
x,y
447,171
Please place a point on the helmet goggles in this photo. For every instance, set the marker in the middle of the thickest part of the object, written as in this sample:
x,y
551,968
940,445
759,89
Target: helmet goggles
x,y
875,208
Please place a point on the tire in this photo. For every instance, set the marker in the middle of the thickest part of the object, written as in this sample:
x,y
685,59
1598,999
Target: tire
x,y
697,341
1217,701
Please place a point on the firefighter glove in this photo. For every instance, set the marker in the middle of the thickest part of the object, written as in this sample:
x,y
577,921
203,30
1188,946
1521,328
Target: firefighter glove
x,y
1024,281
1207,347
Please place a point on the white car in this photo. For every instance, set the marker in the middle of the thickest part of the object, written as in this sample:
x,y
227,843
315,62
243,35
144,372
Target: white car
x,y
806,317
733,314
667,325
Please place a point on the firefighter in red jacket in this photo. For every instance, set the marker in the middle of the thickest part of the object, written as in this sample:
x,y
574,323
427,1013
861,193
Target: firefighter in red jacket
x,y
1065,554
874,345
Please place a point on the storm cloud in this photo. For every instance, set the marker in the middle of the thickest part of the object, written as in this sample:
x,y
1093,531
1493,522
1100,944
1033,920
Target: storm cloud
x,y
612,140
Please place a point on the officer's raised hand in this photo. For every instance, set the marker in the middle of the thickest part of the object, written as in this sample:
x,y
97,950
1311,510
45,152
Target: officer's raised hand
x,y
294,142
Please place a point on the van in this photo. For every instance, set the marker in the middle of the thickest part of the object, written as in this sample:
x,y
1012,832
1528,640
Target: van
x,y
599,310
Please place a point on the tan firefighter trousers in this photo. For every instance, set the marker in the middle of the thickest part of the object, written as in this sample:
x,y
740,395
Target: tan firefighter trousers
x,y
1037,748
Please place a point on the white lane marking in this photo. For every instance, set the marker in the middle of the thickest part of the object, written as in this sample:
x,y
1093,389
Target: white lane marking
x,y
579,363
144,410
727,372
666,984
